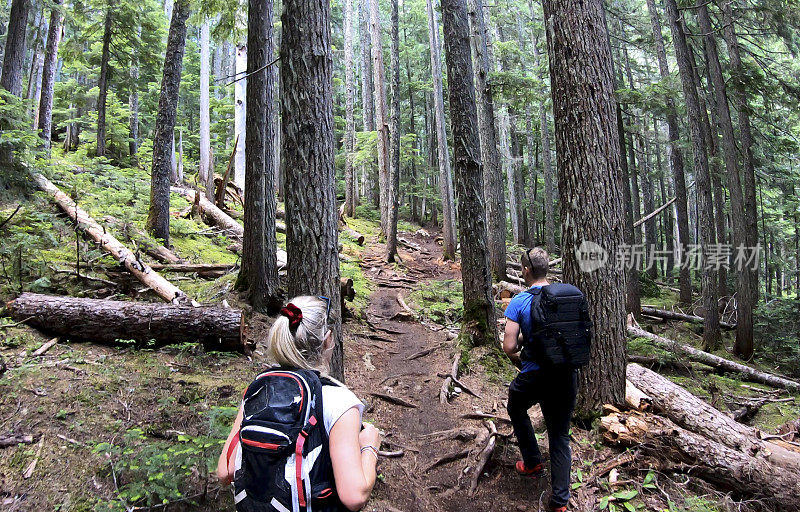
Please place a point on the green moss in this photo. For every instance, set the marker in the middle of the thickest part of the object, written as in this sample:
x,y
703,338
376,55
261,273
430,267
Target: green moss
x,y
496,364
439,301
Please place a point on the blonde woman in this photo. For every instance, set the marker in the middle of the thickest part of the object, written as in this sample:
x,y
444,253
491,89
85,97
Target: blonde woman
x,y
298,442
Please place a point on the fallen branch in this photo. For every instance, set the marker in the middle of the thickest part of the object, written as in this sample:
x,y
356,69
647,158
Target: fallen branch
x,y
86,224
483,458
700,356
7,441
109,321
44,348
444,391
484,416
672,315
394,400
445,459
2,224
142,241
654,213
354,235
622,459
405,306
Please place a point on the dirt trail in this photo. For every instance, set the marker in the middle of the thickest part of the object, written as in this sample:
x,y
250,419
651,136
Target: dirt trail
x,y
378,362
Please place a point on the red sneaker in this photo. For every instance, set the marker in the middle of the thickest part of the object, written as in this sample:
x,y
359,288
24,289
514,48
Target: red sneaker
x,y
534,472
558,509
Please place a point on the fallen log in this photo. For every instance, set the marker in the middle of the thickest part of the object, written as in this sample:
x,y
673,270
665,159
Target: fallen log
x,y
354,235
636,398
672,315
108,321
142,241
730,469
700,417
700,356
506,290
211,213
193,267
83,222
13,440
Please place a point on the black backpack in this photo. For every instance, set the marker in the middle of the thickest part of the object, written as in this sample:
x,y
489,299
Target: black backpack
x,y
562,329
283,463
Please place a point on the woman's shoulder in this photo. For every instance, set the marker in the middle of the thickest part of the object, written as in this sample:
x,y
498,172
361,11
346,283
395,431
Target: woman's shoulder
x,y
336,400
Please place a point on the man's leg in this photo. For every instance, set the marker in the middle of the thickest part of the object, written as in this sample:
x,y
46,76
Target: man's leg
x,y
557,410
521,397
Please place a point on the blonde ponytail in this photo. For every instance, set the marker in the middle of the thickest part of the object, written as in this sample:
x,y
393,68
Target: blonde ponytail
x,y
304,348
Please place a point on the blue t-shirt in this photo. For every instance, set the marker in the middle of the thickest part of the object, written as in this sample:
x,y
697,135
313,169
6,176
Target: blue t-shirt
x,y
519,310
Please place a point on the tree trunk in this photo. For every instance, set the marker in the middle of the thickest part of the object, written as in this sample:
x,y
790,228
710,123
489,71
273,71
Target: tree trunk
x,y
746,476
675,158
381,118
163,288
367,89
672,315
633,299
478,321
394,165
103,83
581,74
49,74
308,157
445,178
240,116
413,181
492,171
14,54
711,333
744,308
133,106
158,216
742,107
646,171
349,134
110,321
746,372
204,170
259,273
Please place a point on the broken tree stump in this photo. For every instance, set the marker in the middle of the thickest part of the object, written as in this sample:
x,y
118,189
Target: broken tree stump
x,y
721,363
108,321
83,222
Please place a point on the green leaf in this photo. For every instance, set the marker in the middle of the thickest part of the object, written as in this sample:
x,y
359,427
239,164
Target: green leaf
x,y
629,506
625,495
603,503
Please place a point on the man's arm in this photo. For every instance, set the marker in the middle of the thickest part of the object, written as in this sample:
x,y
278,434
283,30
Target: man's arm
x,y
510,342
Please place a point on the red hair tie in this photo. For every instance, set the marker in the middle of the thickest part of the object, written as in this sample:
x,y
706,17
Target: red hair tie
x,y
294,314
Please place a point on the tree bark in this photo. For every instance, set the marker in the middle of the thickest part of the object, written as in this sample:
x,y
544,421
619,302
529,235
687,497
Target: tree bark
x,y
108,243
349,134
158,215
478,321
308,157
592,209
103,82
204,170
259,273
492,170
711,332
694,354
49,74
381,118
14,54
445,178
746,476
110,320
133,106
675,158
393,183
633,296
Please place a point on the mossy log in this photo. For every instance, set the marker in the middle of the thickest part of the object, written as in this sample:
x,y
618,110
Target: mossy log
x,y
106,321
672,315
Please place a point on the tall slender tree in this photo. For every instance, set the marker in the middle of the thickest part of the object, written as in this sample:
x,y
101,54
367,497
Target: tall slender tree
x,y
367,101
478,321
445,178
394,165
158,214
381,117
744,304
204,171
592,209
675,156
711,330
259,273
14,54
49,74
105,69
240,115
492,171
308,159
349,132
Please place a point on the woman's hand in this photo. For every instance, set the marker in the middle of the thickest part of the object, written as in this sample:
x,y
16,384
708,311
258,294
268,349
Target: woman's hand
x,y
369,436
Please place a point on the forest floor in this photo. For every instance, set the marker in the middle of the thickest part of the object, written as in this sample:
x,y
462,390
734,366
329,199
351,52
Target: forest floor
x,y
121,427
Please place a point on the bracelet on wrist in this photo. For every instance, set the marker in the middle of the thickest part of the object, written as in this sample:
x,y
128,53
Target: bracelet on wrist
x,y
370,448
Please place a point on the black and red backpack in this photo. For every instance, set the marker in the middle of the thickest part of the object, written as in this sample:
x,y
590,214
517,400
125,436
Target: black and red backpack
x,y
283,463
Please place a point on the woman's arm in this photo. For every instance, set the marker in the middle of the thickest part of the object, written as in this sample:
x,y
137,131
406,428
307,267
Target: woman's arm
x,y
353,470
225,467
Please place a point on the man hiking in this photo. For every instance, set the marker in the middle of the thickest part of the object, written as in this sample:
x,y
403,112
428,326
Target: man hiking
x,y
556,333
